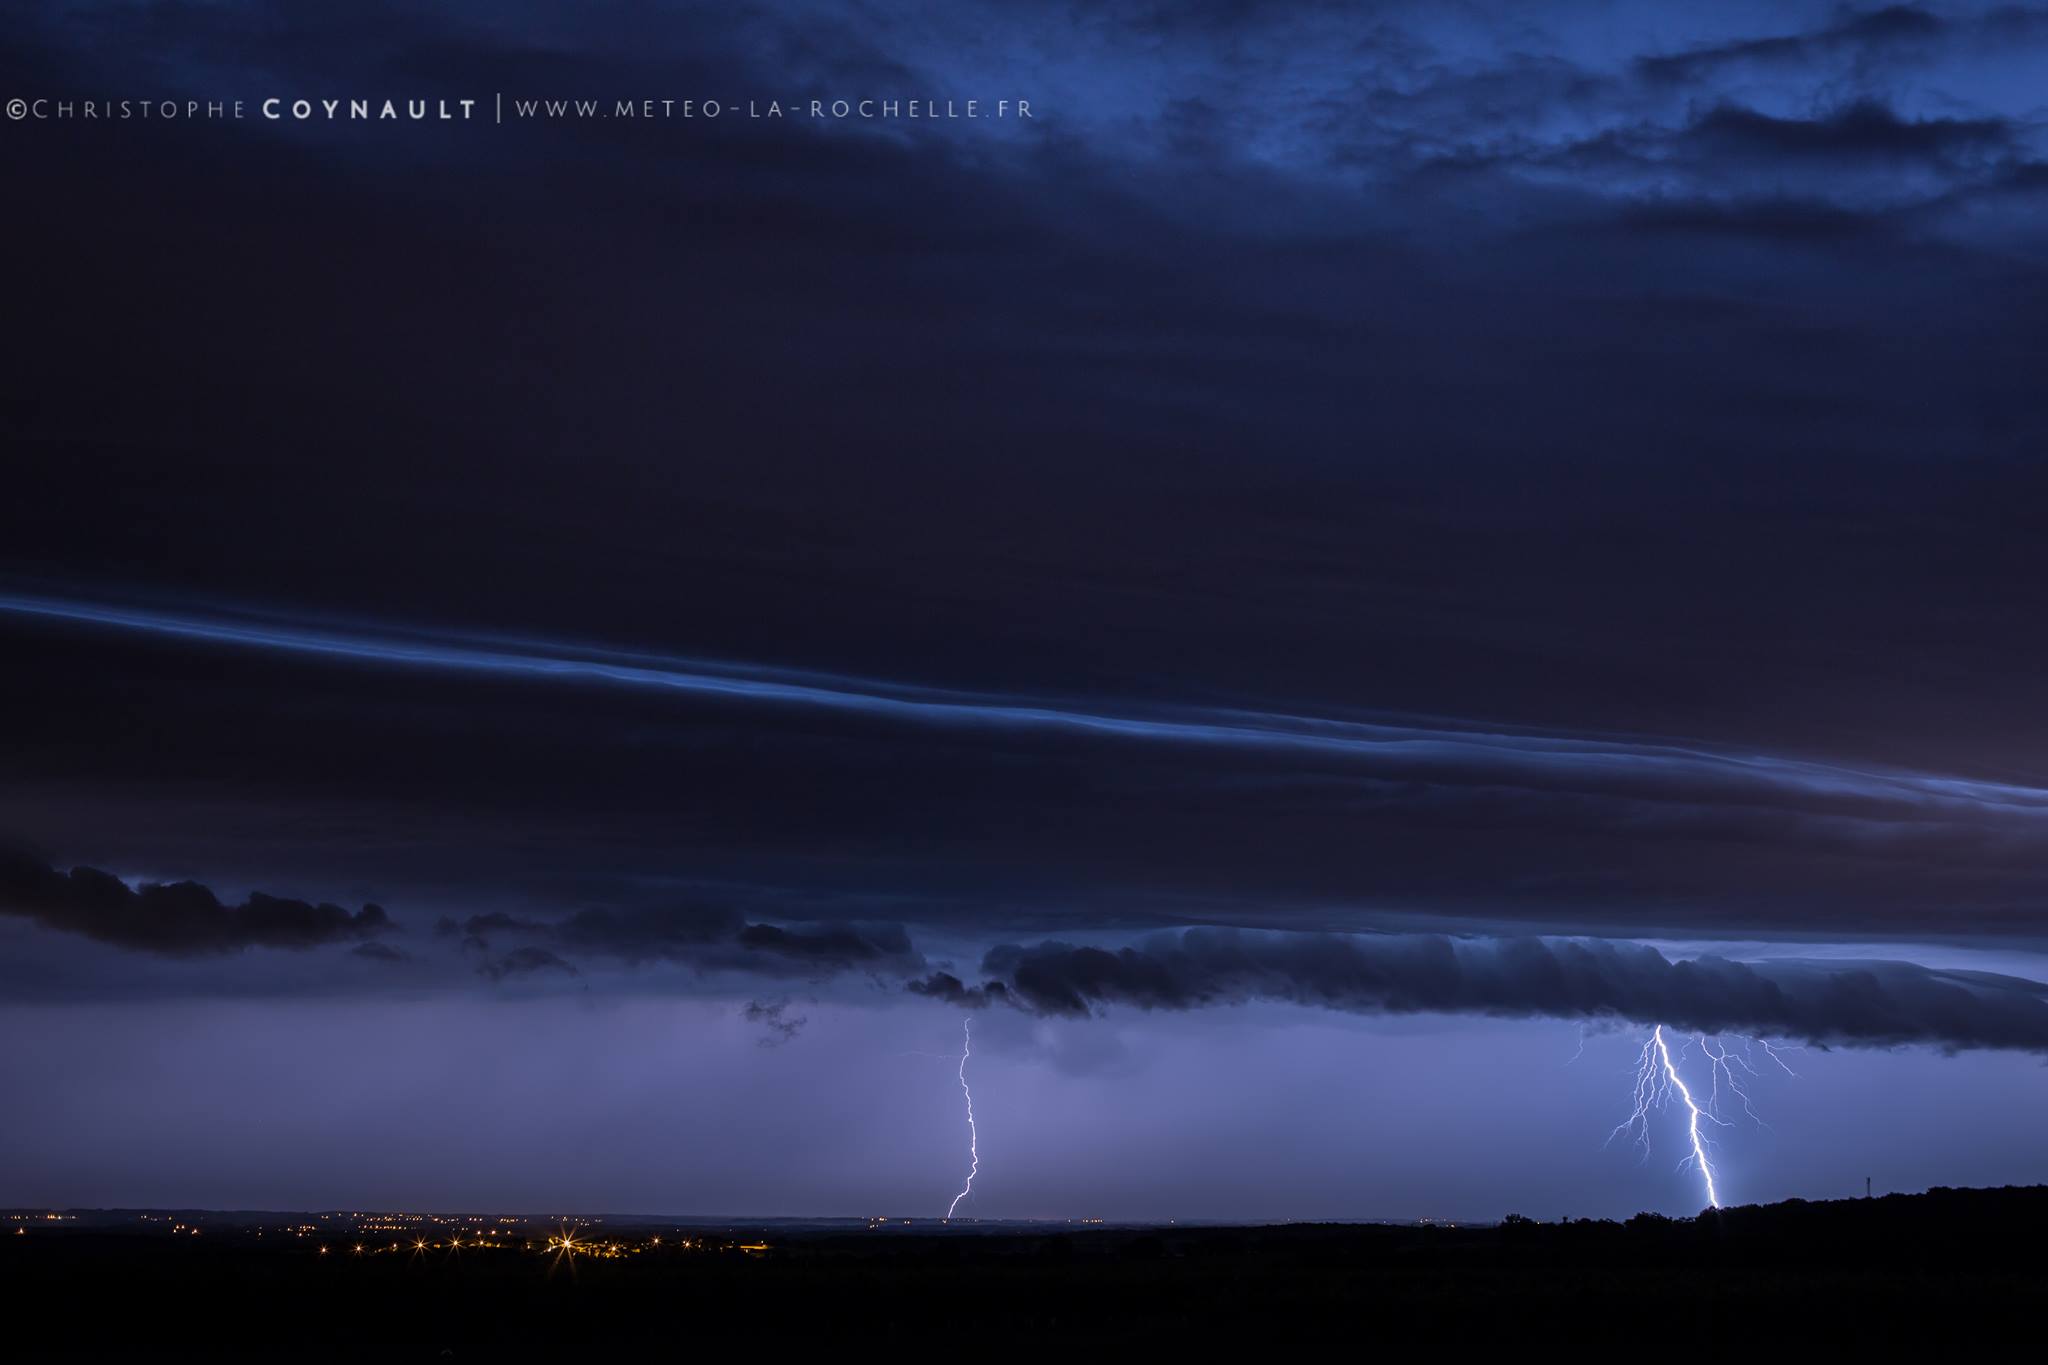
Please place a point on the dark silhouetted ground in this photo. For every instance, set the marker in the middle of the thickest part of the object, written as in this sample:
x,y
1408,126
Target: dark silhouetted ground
x,y
1952,1264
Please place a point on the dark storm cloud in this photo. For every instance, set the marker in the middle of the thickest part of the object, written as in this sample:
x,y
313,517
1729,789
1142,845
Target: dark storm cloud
x,y
717,939
950,989
1861,43
703,938
1647,407
1862,131
174,919
1858,116
1854,168
1857,33
1870,1004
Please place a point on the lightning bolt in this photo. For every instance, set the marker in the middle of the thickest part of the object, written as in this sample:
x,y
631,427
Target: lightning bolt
x,y
973,1138
1657,1083
1693,1112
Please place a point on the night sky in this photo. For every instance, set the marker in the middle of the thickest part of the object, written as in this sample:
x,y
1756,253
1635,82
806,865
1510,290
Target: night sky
x,y
1315,588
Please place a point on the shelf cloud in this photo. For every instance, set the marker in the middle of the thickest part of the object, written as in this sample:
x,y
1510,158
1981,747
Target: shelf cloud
x,y
1845,1003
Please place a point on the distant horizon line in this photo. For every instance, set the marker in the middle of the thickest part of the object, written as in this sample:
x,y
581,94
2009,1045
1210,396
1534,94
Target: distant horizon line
x,y
27,1212
39,1211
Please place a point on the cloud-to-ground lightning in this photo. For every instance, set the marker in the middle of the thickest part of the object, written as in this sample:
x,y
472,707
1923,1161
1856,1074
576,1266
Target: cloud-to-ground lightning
x,y
1677,1082
1658,1083
973,1137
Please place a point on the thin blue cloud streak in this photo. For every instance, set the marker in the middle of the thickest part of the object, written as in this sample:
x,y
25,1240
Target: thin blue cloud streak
x,y
1517,758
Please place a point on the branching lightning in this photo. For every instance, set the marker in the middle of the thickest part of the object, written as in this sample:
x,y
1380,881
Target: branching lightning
x,y
1657,1083
973,1138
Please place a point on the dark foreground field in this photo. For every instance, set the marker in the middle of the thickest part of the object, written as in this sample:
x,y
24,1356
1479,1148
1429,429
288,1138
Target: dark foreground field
x,y
1948,1263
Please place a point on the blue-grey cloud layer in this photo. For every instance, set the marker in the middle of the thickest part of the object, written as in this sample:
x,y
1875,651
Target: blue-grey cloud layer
x,y
1281,486
1865,1004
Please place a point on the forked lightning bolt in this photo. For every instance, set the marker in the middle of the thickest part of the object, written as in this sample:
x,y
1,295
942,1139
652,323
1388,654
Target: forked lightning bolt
x,y
1658,1083
973,1138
